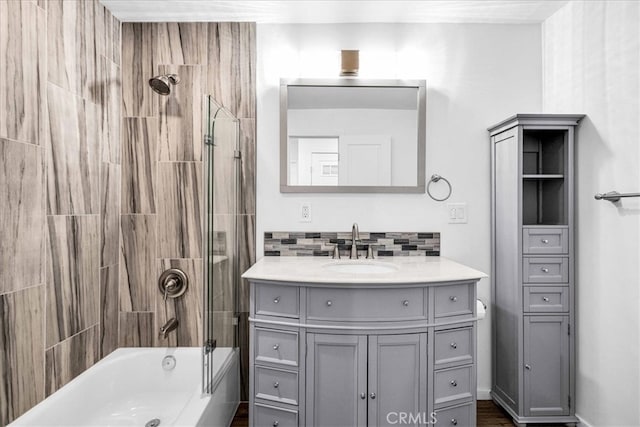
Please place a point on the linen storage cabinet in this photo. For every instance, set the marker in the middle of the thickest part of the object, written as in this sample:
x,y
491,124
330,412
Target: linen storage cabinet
x,y
533,280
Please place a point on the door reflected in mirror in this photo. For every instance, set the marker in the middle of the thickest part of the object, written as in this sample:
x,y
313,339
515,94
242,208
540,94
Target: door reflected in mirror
x,y
352,135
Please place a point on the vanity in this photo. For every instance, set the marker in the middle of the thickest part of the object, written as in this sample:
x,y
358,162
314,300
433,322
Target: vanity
x,y
362,342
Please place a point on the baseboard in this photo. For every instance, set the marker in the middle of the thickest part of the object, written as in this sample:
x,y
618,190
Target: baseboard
x,y
582,422
486,395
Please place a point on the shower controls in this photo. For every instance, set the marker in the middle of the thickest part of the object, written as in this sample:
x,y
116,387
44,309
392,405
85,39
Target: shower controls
x,y
173,283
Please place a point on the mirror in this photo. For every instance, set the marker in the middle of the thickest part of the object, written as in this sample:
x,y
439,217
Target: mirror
x,y
352,136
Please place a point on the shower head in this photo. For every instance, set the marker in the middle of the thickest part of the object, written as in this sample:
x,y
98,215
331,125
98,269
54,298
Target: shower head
x,y
162,84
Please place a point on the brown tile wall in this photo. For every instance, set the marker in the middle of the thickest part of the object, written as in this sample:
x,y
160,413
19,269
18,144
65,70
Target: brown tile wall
x,y
60,101
162,191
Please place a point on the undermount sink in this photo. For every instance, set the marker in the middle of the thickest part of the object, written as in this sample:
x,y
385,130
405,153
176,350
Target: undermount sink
x,y
360,267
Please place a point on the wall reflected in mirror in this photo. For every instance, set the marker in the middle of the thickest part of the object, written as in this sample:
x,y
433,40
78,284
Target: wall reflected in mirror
x,y
352,136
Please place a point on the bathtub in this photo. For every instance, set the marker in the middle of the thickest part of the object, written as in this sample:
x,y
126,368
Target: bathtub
x,y
139,386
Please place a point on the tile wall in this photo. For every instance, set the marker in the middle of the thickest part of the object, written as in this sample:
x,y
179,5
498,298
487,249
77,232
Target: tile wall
x,y
59,194
161,215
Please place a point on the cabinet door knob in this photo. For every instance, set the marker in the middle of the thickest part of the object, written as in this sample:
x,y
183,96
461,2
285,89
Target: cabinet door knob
x,y
329,303
275,301
545,241
276,384
276,424
544,269
372,395
363,395
453,298
454,422
527,367
405,303
545,299
276,346
454,383
454,345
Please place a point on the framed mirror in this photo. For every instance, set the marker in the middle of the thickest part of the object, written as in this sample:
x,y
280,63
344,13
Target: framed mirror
x,y
352,136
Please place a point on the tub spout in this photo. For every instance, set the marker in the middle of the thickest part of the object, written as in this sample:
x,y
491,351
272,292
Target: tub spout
x,y
168,327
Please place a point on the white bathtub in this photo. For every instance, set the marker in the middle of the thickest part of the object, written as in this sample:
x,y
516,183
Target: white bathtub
x,y
130,387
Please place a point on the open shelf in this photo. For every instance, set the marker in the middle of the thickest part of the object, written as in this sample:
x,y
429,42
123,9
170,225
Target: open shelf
x,y
544,202
544,152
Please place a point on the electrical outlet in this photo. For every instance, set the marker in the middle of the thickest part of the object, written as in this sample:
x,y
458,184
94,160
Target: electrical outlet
x,y
305,212
457,213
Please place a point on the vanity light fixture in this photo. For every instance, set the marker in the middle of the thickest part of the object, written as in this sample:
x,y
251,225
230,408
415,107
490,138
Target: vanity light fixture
x,y
350,62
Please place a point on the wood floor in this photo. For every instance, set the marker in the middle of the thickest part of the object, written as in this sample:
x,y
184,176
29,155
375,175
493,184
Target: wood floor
x,y
489,415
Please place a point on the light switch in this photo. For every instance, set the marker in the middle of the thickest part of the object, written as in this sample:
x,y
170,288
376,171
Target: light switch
x,y
457,213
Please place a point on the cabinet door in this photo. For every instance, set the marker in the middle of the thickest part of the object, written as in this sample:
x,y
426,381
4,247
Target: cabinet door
x,y
336,380
546,370
397,378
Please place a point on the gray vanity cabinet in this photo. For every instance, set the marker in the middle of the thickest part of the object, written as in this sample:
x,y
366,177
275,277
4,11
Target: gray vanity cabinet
x,y
533,280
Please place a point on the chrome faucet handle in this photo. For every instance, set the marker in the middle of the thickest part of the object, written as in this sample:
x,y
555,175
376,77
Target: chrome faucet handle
x,y
336,252
370,252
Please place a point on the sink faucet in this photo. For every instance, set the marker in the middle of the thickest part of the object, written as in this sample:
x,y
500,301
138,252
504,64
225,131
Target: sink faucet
x,y
355,236
168,327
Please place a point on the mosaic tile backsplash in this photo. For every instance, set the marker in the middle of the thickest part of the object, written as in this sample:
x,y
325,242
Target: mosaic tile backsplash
x,y
283,243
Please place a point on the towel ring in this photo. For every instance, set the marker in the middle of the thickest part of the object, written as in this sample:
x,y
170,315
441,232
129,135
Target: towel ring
x,y
436,178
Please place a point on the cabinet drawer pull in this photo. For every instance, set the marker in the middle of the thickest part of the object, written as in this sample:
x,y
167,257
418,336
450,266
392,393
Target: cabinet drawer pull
x,y
363,396
454,383
454,345
544,269
276,424
545,241
527,367
454,422
275,301
545,299
276,347
276,384
329,303
405,303
453,298
372,395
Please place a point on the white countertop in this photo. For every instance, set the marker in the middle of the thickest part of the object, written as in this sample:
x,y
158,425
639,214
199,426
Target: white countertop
x,y
409,269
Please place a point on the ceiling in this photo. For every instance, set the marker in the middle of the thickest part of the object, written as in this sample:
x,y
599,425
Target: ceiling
x,y
336,11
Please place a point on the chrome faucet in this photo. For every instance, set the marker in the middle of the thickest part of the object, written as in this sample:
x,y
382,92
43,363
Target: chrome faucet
x,y
355,236
168,327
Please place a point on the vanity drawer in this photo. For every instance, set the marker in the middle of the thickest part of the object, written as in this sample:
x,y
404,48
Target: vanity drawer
x,y
452,386
454,300
546,299
365,305
545,270
280,347
277,300
460,416
545,240
277,385
268,416
453,347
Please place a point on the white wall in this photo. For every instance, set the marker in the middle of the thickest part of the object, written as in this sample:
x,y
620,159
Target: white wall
x,y
476,76
591,65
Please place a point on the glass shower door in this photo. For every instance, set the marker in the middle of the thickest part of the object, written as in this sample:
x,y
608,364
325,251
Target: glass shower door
x,y
221,186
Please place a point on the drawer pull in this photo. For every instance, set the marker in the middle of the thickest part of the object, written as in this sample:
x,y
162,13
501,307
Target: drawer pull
x,y
545,241
545,299
276,347
454,383
372,395
544,269
453,345
329,303
453,298
527,367
363,396
405,303
276,424
276,384
276,300
454,422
